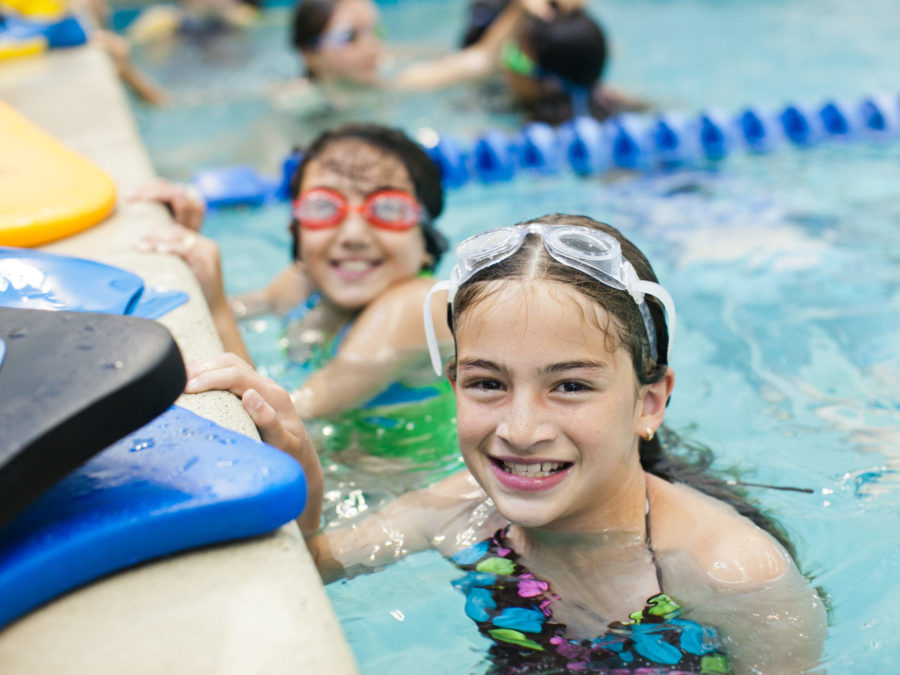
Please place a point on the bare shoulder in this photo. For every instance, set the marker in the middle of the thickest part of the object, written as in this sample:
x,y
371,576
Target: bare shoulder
x,y
730,549
410,292
398,314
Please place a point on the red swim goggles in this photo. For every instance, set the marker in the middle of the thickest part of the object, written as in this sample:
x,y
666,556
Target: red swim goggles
x,y
322,208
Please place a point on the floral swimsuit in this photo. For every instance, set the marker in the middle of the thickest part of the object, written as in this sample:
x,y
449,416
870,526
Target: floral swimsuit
x,y
513,608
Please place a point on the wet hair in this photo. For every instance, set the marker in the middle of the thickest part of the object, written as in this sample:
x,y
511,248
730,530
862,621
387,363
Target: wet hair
x,y
310,17
665,455
572,48
480,15
423,172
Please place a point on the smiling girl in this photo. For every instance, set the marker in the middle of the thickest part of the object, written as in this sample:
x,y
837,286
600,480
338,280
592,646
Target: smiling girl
x,y
586,543
364,242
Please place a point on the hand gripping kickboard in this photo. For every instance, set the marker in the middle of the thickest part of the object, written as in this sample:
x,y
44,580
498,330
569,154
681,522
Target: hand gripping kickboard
x,y
72,383
47,191
177,483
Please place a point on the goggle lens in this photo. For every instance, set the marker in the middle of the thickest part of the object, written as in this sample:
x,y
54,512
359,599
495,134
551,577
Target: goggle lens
x,y
321,208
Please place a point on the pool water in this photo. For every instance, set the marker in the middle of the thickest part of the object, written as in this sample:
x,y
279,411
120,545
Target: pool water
x,y
785,269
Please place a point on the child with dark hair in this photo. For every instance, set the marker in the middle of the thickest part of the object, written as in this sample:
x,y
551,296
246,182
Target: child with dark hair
x,y
365,202
585,544
551,53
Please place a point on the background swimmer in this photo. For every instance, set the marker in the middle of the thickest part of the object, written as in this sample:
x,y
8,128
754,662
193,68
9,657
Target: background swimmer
x,y
191,17
572,512
366,198
551,55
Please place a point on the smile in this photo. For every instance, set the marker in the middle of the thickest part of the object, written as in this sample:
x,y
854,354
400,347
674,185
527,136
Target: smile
x,y
353,269
536,470
529,476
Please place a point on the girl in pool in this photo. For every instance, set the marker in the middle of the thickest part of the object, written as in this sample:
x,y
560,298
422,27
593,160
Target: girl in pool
x,y
587,544
365,201
551,56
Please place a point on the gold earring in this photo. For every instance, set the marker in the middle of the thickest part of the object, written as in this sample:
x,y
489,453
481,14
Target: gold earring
x,y
649,436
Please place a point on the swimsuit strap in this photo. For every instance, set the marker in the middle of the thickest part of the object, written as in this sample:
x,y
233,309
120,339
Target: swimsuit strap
x,y
650,541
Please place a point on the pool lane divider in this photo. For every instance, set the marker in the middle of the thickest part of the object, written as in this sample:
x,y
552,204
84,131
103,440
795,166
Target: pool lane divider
x,y
589,147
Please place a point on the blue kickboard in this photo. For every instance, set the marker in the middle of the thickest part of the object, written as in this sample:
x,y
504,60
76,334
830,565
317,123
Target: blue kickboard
x,y
177,483
31,279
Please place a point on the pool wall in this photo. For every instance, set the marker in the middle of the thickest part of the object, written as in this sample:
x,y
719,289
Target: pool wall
x,y
255,606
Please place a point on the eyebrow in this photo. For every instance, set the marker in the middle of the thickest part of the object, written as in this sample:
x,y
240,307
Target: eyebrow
x,y
577,365
478,363
554,368
389,187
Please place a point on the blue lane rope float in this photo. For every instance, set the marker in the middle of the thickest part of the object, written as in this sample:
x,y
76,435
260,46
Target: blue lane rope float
x,y
589,147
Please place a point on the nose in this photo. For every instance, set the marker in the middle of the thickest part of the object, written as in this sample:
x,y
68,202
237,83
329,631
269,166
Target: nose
x,y
525,423
354,232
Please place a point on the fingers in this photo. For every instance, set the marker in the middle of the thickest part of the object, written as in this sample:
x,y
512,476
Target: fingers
x,y
272,428
177,240
200,253
225,372
185,203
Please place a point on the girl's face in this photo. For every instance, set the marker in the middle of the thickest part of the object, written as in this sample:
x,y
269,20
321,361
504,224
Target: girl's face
x,y
548,414
350,48
354,262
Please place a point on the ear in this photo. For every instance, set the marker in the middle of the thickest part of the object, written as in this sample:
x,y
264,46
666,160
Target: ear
x,y
652,400
312,60
450,374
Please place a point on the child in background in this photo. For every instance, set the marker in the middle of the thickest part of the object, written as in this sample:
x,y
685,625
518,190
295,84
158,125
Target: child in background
x,y
551,55
365,202
586,543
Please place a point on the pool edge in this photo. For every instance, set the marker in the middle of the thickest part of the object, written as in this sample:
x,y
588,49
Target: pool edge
x,y
246,607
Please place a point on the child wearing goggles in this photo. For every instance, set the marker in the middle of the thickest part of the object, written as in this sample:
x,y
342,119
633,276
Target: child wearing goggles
x,y
548,51
364,244
323,208
585,541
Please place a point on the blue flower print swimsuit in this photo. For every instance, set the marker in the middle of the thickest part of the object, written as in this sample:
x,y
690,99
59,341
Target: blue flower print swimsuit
x,y
513,608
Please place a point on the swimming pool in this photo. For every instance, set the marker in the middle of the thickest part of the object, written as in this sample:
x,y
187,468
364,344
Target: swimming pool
x,y
785,268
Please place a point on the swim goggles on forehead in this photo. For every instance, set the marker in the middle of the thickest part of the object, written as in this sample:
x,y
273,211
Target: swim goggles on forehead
x,y
322,208
591,251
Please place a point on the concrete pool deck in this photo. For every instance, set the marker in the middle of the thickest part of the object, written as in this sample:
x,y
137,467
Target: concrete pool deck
x,y
256,606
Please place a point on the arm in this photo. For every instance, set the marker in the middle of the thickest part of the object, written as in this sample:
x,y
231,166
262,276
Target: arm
x,y
120,51
780,624
289,288
386,341
770,618
472,63
407,525
482,58
444,516
269,406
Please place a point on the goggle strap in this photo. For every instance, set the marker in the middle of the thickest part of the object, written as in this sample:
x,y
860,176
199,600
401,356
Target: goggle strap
x,y
650,288
434,350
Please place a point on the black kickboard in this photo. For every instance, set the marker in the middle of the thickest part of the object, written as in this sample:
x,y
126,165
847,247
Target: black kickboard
x,y
71,384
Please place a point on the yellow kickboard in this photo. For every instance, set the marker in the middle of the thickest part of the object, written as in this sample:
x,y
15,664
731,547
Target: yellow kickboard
x,y
47,191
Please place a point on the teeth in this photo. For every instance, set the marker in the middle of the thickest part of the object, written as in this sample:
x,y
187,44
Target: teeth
x,y
355,265
541,470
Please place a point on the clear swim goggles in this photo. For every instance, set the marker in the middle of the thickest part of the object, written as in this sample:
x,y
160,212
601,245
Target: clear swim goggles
x,y
591,251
